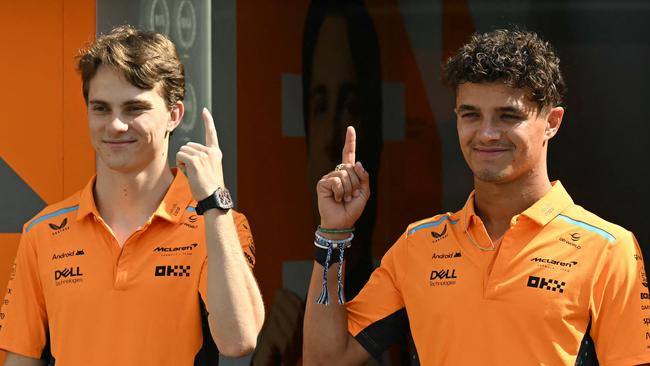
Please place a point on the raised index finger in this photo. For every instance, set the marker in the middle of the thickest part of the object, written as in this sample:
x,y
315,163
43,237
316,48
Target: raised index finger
x,y
350,147
211,139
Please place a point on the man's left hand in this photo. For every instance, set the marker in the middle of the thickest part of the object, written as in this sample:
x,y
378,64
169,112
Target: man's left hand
x,y
202,163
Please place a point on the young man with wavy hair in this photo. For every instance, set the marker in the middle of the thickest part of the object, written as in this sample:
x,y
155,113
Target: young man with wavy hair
x,y
520,274
146,265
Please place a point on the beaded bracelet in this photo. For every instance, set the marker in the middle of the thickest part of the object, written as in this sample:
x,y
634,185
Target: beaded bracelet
x,y
330,245
334,231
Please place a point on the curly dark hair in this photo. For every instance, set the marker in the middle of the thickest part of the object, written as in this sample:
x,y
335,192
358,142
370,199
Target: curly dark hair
x,y
144,58
520,58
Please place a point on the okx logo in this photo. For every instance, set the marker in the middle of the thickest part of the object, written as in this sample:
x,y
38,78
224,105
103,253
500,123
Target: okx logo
x,y
175,270
58,229
546,284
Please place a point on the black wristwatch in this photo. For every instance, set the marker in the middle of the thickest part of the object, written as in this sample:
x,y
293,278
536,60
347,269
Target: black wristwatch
x,y
219,199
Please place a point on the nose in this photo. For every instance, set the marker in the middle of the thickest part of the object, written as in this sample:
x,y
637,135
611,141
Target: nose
x,y
488,130
117,124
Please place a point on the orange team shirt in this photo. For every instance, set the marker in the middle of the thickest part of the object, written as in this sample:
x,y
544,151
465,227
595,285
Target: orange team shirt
x,y
73,291
561,282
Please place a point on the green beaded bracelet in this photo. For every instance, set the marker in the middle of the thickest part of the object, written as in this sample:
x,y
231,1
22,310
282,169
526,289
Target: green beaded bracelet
x,y
334,231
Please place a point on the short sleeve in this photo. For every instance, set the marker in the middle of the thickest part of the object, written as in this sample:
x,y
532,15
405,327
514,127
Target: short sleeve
x,y
248,250
23,318
621,306
377,315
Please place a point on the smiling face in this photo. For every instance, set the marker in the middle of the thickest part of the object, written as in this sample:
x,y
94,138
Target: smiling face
x,y
129,126
503,134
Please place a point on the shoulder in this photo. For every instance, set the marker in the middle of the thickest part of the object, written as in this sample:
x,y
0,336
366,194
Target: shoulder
x,y
55,216
595,227
435,222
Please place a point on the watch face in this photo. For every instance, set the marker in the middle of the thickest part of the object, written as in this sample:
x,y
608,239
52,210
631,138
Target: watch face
x,y
223,198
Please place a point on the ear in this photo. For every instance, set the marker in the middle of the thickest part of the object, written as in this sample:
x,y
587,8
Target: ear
x,y
553,122
176,115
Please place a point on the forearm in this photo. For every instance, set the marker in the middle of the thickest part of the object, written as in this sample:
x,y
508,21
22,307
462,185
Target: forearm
x,y
326,337
234,300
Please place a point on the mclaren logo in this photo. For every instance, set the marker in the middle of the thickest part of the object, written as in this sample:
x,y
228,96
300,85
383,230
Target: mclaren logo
x,y
184,249
554,262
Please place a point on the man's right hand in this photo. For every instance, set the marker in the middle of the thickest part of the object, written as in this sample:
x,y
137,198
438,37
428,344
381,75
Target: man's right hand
x,y
343,194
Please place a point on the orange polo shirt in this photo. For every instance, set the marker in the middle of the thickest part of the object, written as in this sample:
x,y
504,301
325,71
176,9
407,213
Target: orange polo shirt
x,y
75,292
561,282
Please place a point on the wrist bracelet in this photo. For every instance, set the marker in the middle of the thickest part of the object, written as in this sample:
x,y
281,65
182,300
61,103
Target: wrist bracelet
x,y
321,229
327,247
325,243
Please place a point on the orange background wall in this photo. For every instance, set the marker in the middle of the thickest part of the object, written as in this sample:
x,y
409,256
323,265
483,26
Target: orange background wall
x,y
44,135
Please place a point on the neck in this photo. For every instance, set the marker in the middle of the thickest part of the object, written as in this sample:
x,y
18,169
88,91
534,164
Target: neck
x,y
127,199
497,203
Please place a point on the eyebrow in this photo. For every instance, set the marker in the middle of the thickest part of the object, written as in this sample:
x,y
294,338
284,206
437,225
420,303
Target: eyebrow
x,y
508,109
466,108
511,109
132,102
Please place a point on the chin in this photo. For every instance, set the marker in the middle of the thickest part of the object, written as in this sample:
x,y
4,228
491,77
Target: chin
x,y
492,176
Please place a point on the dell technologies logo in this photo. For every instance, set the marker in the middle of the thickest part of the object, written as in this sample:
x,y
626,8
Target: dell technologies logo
x,y
68,275
443,277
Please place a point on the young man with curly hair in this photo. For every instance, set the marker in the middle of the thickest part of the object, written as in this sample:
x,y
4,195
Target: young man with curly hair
x,y
146,265
519,275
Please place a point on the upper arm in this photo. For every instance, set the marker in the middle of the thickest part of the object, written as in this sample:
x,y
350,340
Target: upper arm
x,y
23,326
621,306
377,316
14,359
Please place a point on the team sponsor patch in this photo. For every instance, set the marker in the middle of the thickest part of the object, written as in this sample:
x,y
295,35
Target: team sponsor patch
x,y
443,277
548,284
172,271
68,275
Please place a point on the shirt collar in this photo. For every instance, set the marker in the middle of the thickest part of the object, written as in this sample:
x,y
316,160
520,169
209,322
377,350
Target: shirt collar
x,y
177,199
550,205
542,212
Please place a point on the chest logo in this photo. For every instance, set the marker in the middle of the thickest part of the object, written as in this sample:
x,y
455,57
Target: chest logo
x,y
175,271
68,275
437,236
58,229
179,250
548,284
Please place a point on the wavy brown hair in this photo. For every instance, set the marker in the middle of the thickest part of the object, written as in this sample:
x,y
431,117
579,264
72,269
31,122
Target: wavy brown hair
x,y
145,59
519,58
